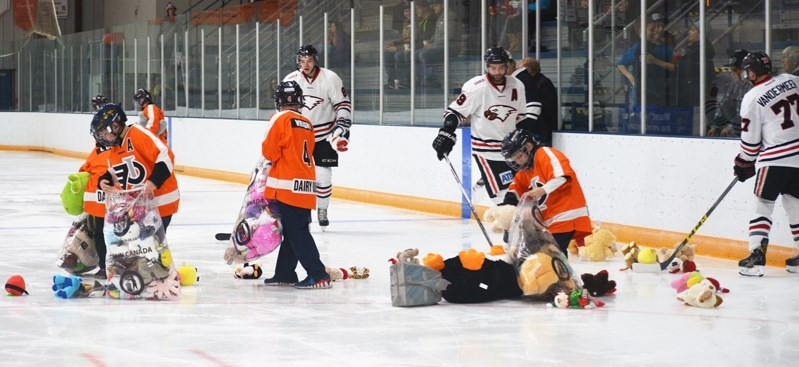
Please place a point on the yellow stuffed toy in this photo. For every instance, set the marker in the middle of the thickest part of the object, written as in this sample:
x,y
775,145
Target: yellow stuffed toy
x,y
598,246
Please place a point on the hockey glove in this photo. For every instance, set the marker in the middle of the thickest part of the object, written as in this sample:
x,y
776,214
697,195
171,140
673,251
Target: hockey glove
x,y
743,169
338,139
444,142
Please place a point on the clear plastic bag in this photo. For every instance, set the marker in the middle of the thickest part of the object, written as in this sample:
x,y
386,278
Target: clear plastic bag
x,y
544,270
139,264
257,231
78,254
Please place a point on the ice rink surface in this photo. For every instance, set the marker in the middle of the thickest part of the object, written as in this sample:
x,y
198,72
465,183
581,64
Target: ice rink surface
x,y
224,321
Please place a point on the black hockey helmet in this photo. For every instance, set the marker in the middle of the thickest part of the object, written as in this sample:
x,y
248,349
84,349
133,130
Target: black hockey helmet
x,y
737,58
99,101
758,63
141,96
288,93
517,141
496,55
104,120
307,50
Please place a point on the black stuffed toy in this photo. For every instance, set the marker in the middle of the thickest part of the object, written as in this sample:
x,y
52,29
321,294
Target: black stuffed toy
x,y
489,281
598,285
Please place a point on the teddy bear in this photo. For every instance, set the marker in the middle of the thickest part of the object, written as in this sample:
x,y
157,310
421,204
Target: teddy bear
x,y
358,272
499,218
702,294
687,252
337,273
408,256
598,245
598,285
630,252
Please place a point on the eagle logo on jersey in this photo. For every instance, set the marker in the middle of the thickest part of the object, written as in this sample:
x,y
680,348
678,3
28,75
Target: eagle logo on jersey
x,y
312,101
498,112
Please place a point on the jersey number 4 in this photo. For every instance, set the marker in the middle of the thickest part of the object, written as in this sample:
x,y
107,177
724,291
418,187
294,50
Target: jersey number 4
x,y
305,156
784,106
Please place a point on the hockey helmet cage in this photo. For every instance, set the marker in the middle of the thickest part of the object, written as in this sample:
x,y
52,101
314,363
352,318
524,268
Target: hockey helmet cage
x,y
99,101
757,62
103,121
517,141
142,95
288,93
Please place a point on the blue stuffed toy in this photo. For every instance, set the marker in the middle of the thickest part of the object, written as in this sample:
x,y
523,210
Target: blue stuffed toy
x,y
66,287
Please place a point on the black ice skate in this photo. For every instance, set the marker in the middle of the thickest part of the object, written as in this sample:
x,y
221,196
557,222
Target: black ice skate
x,y
321,214
753,265
792,264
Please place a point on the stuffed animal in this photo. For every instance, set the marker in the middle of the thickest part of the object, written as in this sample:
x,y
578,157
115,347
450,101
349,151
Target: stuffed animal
x,y
630,252
408,256
358,272
72,194
679,266
15,285
598,285
686,281
579,298
687,252
337,273
66,287
498,218
248,271
702,294
188,275
598,245
434,261
475,277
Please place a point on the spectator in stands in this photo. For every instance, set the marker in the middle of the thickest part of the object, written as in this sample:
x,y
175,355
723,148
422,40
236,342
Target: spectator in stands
x,y
433,52
171,12
395,53
425,28
338,45
541,96
657,77
726,122
790,60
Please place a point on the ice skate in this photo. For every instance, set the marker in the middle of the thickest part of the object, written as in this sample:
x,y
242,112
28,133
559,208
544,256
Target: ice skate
x,y
792,264
321,214
753,265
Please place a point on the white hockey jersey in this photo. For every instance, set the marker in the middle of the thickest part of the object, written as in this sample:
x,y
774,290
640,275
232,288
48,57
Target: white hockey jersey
x,y
326,101
770,122
495,110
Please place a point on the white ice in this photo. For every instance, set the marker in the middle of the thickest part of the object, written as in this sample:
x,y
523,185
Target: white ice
x,y
223,321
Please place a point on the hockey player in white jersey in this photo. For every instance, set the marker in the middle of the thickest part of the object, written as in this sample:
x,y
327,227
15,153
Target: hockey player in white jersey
x,y
328,107
770,149
497,106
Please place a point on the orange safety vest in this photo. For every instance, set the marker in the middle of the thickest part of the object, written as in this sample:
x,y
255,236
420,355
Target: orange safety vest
x,y
289,146
94,198
133,163
154,121
564,209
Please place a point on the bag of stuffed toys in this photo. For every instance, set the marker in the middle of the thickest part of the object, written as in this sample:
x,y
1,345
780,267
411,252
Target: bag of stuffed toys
x,y
257,231
139,263
543,269
78,254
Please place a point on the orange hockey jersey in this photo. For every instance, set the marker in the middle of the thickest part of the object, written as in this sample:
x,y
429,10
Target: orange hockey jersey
x,y
564,209
152,118
289,145
134,161
94,198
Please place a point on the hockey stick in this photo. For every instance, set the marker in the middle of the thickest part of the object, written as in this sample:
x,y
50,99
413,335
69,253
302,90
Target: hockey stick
x,y
677,249
466,197
222,236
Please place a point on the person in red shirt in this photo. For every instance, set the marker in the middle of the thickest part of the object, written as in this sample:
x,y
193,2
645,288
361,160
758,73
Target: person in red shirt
x,y
547,174
291,185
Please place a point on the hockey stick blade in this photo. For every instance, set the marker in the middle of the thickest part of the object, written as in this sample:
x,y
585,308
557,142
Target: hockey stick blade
x,y
677,249
222,236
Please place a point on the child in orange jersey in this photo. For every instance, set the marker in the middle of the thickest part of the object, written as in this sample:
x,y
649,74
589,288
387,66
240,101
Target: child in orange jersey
x,y
151,116
291,185
547,174
138,158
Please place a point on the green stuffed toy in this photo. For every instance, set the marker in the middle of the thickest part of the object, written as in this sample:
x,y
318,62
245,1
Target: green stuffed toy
x,y
72,194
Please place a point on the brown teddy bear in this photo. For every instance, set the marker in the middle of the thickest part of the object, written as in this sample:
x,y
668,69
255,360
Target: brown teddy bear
x,y
630,252
598,245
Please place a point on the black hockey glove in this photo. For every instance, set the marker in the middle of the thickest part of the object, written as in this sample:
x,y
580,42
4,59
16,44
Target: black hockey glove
x,y
444,142
743,169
